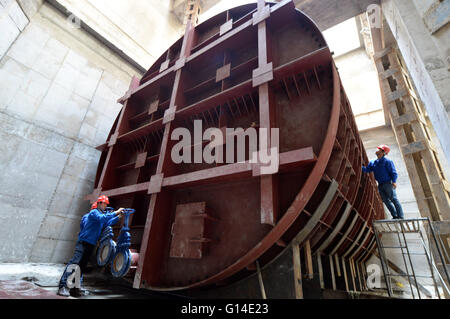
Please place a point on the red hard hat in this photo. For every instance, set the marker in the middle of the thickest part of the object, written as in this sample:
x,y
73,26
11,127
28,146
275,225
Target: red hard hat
x,y
103,199
94,206
385,148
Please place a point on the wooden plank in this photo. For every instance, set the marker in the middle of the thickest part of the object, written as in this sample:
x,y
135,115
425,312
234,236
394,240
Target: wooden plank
x,y
398,94
344,237
358,275
308,258
333,279
413,147
319,265
336,229
363,275
353,273
446,185
297,271
338,267
405,119
318,213
355,242
362,244
424,171
344,271
440,194
389,72
260,280
378,55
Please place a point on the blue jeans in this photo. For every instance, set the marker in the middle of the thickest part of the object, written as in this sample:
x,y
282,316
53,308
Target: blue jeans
x,y
80,257
389,197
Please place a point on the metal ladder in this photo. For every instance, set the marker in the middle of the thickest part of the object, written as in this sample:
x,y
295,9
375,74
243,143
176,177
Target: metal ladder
x,y
418,226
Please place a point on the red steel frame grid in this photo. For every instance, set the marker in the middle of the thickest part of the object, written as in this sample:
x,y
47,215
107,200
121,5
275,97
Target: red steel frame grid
x,y
268,194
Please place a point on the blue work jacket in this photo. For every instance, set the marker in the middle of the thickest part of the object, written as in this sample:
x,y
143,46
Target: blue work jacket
x,y
383,169
91,225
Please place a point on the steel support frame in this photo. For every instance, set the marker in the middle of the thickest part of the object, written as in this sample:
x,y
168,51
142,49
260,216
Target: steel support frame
x,y
161,184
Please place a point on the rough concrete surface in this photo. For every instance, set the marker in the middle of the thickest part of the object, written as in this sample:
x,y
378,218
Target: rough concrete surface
x,y
20,289
58,93
40,280
46,275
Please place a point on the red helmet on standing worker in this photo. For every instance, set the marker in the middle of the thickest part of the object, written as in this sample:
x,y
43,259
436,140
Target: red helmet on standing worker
x,y
94,206
384,148
103,199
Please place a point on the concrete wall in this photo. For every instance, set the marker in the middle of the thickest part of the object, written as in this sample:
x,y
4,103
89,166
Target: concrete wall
x,y
58,95
360,80
384,135
141,29
357,72
12,22
426,55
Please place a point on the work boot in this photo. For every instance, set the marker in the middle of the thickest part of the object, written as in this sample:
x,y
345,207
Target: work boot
x,y
77,292
63,291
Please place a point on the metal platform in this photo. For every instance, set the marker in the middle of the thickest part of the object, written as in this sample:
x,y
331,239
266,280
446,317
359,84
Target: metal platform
x,y
409,232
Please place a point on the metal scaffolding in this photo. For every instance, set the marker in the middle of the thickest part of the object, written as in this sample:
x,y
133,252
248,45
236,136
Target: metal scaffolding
x,y
410,234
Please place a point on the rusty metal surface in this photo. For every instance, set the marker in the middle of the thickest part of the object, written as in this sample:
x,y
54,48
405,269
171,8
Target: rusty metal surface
x,y
271,69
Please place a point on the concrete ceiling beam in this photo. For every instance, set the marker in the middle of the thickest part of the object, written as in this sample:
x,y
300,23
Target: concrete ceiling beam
x,y
328,13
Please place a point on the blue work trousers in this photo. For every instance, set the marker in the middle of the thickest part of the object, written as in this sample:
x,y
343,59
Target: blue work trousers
x,y
80,257
389,197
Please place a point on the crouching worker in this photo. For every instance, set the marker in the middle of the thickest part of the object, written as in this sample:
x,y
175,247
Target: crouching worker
x,y
90,229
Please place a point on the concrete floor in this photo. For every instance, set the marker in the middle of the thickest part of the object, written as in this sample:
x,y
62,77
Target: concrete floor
x,y
40,281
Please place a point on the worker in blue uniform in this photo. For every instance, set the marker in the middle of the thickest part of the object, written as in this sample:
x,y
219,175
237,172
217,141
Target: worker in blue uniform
x,y
91,226
386,176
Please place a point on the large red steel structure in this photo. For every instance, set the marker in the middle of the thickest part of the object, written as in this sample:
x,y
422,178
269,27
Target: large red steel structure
x,y
258,65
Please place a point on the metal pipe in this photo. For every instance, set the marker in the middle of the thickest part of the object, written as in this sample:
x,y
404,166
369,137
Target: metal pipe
x,y
410,261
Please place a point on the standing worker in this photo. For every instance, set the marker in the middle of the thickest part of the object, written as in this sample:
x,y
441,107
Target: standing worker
x,y
90,229
386,176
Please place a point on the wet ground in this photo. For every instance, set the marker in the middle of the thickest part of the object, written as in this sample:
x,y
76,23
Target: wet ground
x,y
40,281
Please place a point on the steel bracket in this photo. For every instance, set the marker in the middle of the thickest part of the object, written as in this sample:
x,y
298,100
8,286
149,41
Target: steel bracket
x,y
113,139
262,74
164,66
169,114
155,184
227,26
262,15
180,63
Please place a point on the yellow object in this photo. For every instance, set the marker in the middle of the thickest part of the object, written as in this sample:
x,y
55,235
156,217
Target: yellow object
x,y
399,284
